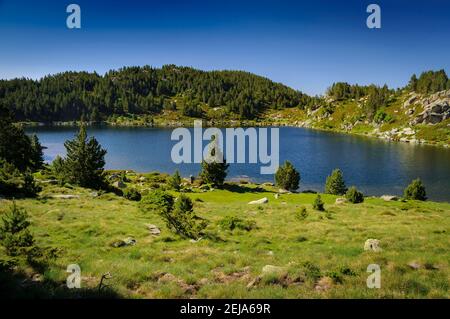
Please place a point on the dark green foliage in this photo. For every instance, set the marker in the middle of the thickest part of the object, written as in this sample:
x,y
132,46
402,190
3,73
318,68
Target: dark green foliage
x,y
16,147
37,154
143,90
354,196
58,170
214,168
14,183
132,194
84,162
233,222
318,204
415,190
287,177
335,183
376,98
14,233
430,82
382,117
175,181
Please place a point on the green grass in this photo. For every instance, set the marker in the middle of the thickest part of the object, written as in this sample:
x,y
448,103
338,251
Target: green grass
x,y
221,265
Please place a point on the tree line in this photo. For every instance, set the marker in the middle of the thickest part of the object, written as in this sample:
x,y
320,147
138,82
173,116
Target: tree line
x,y
144,90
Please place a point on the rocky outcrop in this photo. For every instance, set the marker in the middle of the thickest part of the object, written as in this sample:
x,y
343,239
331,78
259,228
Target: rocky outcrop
x,y
436,108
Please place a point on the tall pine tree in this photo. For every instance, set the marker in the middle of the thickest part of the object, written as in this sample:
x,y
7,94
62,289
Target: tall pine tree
x,y
85,161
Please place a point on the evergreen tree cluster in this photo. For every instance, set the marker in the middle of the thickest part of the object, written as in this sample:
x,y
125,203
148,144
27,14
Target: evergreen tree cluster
x,y
143,90
430,82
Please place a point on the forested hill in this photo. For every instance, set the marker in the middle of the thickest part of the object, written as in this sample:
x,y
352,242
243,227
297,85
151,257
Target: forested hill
x,y
145,90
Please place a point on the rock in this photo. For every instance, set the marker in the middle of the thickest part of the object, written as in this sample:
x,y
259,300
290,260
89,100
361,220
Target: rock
x,y
270,270
268,184
389,198
125,242
414,265
119,184
93,194
113,176
372,244
64,196
340,200
283,191
37,278
154,230
276,196
324,284
436,108
263,200
142,179
195,240
50,181
410,101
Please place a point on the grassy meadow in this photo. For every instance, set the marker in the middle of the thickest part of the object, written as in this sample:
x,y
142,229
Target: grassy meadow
x,y
320,254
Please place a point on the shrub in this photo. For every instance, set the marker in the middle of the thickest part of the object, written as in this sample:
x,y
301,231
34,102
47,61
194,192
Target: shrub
x,y
14,233
13,183
335,183
354,196
175,181
158,201
178,215
287,177
318,204
303,214
132,194
232,223
415,190
182,219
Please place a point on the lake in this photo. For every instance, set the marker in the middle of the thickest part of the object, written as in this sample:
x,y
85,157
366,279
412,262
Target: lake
x,y
376,167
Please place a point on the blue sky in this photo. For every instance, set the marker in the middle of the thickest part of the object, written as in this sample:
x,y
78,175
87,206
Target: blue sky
x,y
304,44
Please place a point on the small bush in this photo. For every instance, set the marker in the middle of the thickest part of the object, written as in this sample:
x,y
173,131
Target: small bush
x,y
232,222
335,183
415,190
354,196
175,181
158,201
302,214
132,194
318,204
287,177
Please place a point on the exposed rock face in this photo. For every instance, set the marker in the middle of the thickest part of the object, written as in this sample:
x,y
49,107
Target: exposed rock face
x,y
436,108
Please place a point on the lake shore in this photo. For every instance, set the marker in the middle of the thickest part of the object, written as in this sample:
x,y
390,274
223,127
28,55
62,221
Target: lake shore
x,y
394,135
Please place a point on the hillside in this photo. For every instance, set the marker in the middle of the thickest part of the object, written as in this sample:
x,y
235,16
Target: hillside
x,y
174,96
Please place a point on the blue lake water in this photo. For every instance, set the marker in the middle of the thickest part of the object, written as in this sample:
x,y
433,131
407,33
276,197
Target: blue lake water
x,y
374,166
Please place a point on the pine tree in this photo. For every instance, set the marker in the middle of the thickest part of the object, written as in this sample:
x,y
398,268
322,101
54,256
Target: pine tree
x,y
335,183
14,233
214,167
287,177
37,154
85,161
415,190
175,181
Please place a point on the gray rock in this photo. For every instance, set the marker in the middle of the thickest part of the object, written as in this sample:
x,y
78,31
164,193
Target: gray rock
x,y
270,270
389,198
154,230
340,200
372,244
119,184
263,200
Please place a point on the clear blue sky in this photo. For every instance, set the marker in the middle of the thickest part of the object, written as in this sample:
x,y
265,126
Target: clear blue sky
x,y
304,44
